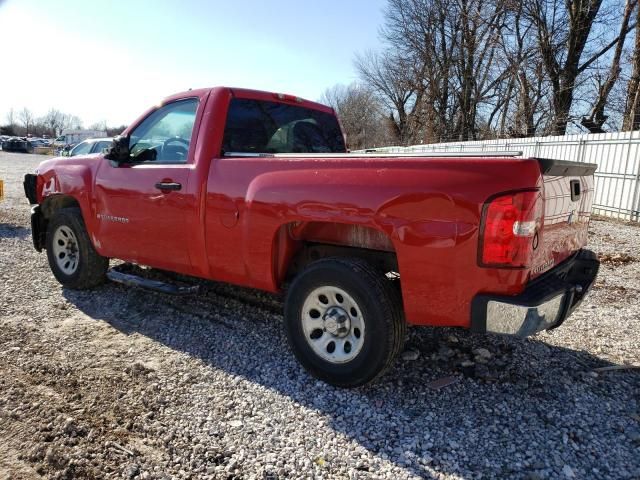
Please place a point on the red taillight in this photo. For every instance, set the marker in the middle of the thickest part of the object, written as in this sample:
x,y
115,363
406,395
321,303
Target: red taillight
x,y
287,97
509,225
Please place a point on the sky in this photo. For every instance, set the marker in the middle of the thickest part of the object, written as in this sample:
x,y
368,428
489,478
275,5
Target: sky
x,y
111,60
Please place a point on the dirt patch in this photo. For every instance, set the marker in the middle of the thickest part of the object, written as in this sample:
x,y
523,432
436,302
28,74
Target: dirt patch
x,y
616,259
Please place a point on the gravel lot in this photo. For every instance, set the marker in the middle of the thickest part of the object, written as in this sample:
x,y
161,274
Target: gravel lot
x,y
124,383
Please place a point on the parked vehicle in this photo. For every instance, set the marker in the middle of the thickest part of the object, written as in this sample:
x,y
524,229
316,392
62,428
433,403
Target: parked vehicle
x,y
93,145
38,142
17,144
73,137
257,189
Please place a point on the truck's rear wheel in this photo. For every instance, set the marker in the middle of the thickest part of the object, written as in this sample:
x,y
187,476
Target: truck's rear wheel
x,y
72,258
344,321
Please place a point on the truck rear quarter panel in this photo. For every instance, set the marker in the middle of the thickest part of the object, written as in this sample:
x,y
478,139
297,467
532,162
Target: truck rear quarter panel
x,y
428,208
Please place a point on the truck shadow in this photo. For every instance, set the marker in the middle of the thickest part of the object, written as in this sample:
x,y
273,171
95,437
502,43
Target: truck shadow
x,y
527,410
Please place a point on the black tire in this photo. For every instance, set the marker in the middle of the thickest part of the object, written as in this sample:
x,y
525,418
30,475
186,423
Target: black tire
x,y
91,268
381,306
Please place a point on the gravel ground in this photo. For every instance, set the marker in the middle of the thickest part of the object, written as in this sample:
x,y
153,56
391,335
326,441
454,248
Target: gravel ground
x,y
124,383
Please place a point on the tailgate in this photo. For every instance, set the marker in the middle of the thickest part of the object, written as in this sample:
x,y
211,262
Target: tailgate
x,y
568,195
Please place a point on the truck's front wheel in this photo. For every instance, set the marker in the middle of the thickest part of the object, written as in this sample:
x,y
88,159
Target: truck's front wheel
x,y
344,321
72,258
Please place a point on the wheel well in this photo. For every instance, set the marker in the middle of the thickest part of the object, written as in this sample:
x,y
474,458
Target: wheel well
x,y
55,203
309,252
299,243
50,205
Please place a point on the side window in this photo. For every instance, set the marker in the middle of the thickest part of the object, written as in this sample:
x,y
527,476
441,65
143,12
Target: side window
x,y
80,149
165,135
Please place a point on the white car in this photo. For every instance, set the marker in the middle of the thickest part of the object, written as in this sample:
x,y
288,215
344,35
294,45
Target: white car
x,y
92,145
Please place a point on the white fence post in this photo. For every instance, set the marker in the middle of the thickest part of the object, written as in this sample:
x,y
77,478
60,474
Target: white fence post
x,y
624,180
581,149
634,208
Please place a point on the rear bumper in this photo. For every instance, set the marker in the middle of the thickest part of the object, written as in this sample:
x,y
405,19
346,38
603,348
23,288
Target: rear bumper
x,y
545,304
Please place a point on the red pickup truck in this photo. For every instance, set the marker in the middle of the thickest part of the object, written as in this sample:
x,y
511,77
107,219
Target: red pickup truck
x,y
258,189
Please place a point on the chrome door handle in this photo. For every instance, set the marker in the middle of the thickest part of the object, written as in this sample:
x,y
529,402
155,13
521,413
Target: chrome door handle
x,y
168,186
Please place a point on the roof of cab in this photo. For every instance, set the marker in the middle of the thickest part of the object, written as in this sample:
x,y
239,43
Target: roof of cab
x,y
254,94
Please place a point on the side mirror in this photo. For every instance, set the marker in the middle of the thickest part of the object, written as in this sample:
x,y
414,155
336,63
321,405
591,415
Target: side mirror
x,y
119,150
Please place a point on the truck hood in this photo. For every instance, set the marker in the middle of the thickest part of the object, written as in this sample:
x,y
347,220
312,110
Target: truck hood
x,y
56,162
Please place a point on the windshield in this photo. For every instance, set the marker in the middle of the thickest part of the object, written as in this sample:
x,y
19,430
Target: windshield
x,y
80,149
255,126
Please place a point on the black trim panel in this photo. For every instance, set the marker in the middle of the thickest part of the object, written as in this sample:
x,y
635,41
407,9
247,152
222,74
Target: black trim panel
x,y
38,228
30,182
565,168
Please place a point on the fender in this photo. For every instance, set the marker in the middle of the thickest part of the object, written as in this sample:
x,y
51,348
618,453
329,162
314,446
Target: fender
x,y
361,198
70,178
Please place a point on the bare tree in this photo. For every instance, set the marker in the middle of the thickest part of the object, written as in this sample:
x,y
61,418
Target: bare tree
x,y
56,122
424,34
563,30
481,22
53,121
360,114
418,32
597,117
68,121
11,120
26,118
467,69
101,125
39,127
441,67
517,98
631,119
388,78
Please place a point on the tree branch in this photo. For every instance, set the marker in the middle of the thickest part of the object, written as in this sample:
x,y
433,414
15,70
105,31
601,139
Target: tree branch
x,y
604,50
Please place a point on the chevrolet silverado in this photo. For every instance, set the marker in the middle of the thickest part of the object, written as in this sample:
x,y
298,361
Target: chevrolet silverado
x,y
258,189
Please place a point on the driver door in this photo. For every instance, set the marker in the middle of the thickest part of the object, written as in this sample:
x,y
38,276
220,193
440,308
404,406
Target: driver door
x,y
144,207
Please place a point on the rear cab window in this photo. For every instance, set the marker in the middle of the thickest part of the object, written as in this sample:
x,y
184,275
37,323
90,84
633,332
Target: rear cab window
x,y
258,126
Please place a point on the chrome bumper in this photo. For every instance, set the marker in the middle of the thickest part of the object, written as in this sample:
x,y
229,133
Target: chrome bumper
x,y
545,303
